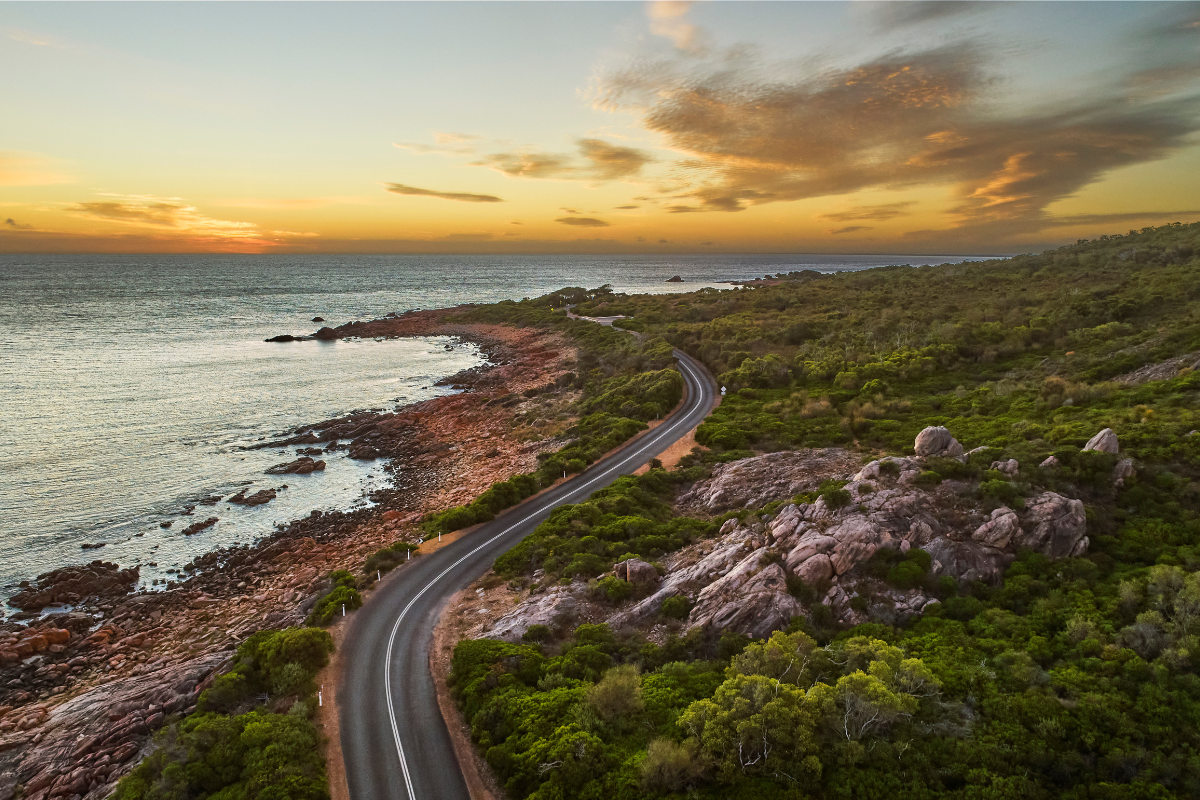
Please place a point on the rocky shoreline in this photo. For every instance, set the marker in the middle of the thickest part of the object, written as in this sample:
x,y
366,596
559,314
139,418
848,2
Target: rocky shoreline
x,y
81,691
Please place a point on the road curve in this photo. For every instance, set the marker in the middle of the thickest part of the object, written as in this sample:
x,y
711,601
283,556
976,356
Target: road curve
x,y
394,742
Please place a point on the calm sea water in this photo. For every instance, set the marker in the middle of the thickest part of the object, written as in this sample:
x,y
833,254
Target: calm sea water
x,y
131,383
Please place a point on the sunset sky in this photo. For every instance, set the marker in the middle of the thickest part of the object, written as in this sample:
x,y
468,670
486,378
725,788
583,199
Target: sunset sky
x,y
579,127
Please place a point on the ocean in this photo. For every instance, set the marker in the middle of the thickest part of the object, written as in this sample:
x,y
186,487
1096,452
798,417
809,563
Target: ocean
x,y
131,384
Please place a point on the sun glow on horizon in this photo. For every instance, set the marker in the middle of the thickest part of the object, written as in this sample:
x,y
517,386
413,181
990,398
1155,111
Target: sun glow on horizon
x,y
594,127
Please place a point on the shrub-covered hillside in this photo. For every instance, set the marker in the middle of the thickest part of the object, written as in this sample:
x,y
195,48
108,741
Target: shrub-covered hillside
x,y
1075,678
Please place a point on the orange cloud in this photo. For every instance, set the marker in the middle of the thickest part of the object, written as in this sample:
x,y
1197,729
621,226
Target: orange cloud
x,y
583,222
901,121
598,161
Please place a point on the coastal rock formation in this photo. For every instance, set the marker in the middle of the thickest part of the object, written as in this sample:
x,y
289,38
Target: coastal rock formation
x,y
1104,442
755,481
261,497
74,584
196,527
301,466
284,337
937,441
81,747
746,578
453,448
327,334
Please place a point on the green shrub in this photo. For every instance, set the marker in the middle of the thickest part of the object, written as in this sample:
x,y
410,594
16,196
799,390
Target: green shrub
x,y
452,519
388,558
836,498
1003,492
537,633
613,589
256,755
676,607
906,575
963,609
330,605
928,478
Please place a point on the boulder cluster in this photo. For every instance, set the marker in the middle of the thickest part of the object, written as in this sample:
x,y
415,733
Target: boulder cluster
x,y
75,584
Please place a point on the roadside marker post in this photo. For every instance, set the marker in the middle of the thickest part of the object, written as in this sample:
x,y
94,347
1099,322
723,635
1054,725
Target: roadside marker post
x,y
343,609
320,702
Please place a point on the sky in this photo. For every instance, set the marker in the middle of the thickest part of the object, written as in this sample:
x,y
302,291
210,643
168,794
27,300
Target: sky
x,y
594,127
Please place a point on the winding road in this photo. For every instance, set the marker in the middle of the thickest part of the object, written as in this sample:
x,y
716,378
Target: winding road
x,y
394,742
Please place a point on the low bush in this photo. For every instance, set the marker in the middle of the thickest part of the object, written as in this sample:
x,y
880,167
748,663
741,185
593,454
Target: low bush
x,y
342,594
676,607
256,754
388,558
613,590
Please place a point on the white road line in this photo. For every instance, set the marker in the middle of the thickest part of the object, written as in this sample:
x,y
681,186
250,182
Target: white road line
x,y
387,665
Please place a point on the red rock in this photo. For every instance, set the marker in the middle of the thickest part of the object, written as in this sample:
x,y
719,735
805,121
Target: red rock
x,y
39,782
389,516
8,655
57,635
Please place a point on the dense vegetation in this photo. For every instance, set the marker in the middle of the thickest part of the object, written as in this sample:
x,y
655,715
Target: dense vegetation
x,y
1073,679
252,736
624,383
632,518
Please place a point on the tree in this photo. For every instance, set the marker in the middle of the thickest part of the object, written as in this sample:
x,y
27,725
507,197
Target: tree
x,y
865,705
618,695
756,725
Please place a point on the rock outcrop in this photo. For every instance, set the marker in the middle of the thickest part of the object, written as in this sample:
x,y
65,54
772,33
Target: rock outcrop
x,y
81,747
1104,442
756,481
74,584
752,577
557,606
1054,526
196,527
937,441
301,466
261,497
753,599
1123,471
637,572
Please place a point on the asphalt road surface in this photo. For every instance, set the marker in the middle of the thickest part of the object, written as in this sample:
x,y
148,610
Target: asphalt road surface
x,y
394,741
